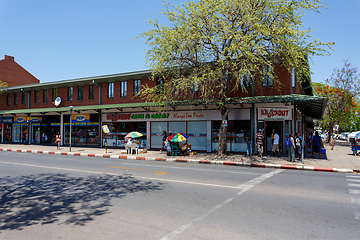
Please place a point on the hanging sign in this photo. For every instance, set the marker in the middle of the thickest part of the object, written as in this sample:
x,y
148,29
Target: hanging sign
x,y
274,113
34,119
80,118
6,119
21,119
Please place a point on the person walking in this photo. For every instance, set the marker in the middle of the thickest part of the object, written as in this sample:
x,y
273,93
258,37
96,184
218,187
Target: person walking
x,y
163,141
298,144
317,143
290,143
248,143
58,140
276,144
260,142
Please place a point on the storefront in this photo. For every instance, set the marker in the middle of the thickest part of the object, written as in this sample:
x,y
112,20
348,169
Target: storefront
x,y
83,132
5,128
275,119
202,127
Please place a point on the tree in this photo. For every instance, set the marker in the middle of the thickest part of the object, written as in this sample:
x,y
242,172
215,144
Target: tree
x,y
2,85
212,45
342,90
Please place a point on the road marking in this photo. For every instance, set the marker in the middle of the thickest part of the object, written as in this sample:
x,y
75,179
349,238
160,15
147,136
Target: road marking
x,y
117,174
137,169
194,169
355,200
353,184
245,187
354,191
353,176
353,180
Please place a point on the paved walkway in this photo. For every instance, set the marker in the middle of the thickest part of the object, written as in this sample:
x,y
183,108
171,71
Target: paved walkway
x,y
341,159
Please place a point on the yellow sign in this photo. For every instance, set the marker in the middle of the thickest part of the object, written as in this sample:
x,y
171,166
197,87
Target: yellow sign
x,y
105,129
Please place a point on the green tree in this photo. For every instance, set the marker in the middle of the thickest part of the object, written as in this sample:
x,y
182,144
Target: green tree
x,y
211,45
2,86
342,89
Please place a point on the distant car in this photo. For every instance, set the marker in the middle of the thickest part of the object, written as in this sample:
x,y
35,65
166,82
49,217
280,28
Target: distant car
x,y
344,135
352,135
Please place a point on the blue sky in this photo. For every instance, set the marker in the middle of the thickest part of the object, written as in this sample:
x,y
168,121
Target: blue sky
x,y
68,39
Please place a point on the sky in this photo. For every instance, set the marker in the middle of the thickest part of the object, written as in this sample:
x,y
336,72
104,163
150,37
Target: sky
x,y
71,39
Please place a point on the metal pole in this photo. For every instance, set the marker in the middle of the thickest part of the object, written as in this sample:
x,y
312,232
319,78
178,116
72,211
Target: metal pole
x,y
70,129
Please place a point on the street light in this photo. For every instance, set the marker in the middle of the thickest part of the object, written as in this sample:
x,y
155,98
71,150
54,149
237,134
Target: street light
x,y
71,108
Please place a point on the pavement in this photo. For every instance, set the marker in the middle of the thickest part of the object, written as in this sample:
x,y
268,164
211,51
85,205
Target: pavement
x,y
341,159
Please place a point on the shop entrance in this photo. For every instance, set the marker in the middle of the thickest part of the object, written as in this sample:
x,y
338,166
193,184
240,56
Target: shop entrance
x,y
278,126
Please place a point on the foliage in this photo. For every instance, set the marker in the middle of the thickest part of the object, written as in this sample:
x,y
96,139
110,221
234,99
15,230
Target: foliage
x,y
2,85
342,90
213,45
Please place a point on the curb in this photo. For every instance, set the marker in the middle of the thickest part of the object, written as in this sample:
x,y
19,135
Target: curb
x,y
240,164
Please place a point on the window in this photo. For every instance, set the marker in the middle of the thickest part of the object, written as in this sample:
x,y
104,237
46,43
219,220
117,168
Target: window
x,y
293,75
23,98
110,90
54,94
36,97
80,93
160,86
91,92
45,94
8,99
123,89
137,87
246,80
70,93
15,98
267,78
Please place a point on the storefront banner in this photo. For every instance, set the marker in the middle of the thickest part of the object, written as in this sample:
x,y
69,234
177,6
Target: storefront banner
x,y
34,119
56,124
6,119
274,113
20,119
80,118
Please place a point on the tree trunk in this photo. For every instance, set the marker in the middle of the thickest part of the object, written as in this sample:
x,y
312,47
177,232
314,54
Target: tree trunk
x,y
222,144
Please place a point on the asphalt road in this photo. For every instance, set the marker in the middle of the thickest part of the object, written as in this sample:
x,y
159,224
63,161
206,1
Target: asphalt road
x,y
65,197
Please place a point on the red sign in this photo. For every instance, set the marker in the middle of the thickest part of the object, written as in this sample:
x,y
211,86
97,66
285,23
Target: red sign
x,y
273,113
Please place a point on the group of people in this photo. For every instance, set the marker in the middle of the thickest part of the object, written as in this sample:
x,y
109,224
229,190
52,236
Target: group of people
x,y
181,148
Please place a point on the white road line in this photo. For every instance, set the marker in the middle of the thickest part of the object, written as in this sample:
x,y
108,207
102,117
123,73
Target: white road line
x,y
193,169
245,187
117,174
354,191
353,176
357,215
353,184
353,180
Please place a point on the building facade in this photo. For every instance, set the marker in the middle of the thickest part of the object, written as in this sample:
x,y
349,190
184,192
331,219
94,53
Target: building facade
x,y
36,112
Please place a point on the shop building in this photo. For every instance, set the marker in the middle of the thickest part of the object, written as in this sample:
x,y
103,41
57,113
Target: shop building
x,y
114,100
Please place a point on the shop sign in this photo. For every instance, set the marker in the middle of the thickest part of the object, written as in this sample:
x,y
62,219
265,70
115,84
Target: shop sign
x,y
274,114
57,124
105,129
127,116
20,119
80,118
34,119
6,119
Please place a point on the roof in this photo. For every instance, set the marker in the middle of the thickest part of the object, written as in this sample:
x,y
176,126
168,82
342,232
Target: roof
x,y
81,81
311,106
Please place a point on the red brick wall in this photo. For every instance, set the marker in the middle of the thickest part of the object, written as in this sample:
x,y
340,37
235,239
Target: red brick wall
x,y
13,74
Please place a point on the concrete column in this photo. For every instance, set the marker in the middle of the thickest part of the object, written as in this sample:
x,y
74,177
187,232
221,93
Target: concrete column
x,y
148,134
62,135
208,136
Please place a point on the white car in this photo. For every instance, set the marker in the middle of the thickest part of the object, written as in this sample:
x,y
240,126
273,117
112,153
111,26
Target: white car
x,y
352,135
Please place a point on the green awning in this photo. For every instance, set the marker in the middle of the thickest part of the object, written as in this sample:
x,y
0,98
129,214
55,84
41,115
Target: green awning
x,y
311,106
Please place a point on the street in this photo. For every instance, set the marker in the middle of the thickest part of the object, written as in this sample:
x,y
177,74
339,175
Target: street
x,y
67,197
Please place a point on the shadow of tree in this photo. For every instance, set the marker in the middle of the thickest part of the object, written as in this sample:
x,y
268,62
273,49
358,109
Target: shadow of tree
x,y
43,198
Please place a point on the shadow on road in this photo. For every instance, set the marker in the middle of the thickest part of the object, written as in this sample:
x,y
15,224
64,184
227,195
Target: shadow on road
x,y
43,198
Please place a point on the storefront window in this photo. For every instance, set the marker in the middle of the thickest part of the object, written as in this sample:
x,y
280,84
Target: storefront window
x,y
157,129
118,131
215,136
177,127
83,133
7,133
20,133
197,135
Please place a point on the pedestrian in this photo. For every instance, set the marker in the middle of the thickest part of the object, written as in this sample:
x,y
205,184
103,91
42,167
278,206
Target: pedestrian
x,y
57,140
290,143
43,138
248,143
260,142
276,144
163,141
317,144
298,144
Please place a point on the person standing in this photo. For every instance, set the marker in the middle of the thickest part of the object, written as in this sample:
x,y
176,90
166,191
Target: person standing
x,y
260,142
58,140
248,143
298,144
316,143
163,141
290,143
276,144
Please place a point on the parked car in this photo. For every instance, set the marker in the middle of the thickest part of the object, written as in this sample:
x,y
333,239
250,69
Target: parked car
x,y
343,135
352,135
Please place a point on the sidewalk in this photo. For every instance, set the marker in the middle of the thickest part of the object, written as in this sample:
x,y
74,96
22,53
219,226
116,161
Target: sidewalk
x,y
341,159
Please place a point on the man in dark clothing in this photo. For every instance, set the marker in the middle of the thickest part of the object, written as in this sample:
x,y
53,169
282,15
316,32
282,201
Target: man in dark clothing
x,y
317,144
